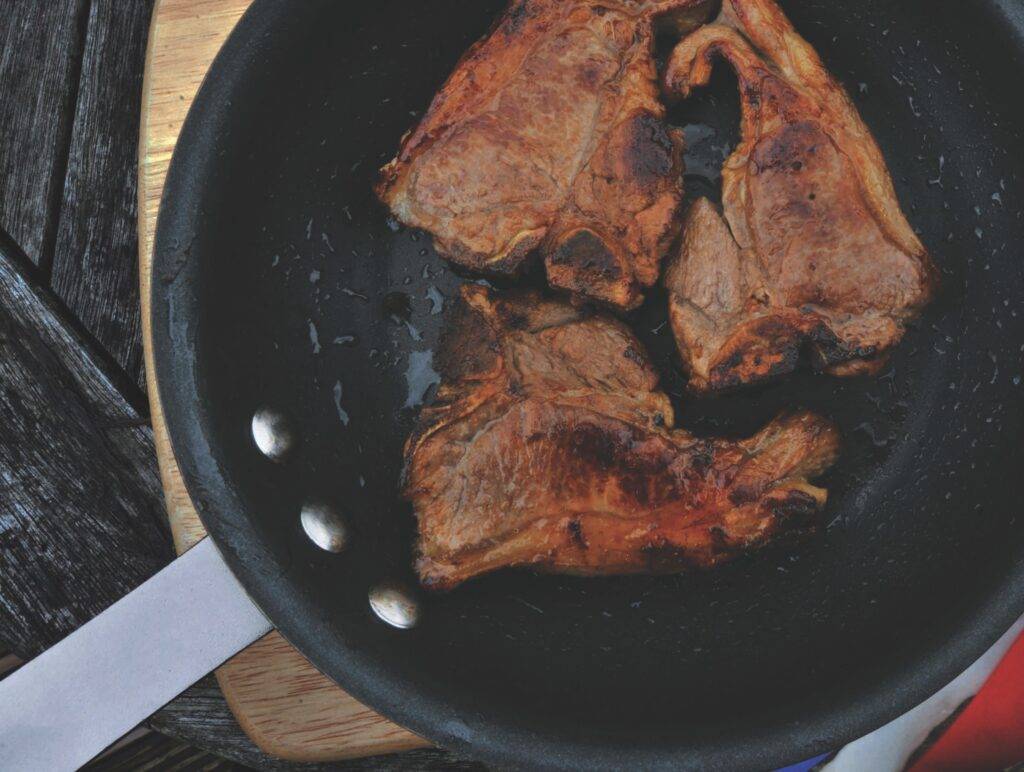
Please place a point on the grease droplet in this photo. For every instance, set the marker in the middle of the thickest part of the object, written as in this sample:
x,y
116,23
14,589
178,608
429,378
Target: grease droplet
x,y
420,375
342,413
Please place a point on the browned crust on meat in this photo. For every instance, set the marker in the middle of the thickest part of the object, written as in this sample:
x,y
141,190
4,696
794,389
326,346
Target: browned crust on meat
x,y
551,127
550,446
821,262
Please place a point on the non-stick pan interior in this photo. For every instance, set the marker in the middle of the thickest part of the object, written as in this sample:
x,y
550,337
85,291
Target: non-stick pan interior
x,y
281,281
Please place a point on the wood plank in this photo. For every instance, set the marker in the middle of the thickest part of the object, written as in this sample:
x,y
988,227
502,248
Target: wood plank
x,y
95,256
40,49
81,517
288,708
74,563
81,507
184,37
204,720
156,752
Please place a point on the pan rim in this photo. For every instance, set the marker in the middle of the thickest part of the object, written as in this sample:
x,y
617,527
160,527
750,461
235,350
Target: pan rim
x,y
174,307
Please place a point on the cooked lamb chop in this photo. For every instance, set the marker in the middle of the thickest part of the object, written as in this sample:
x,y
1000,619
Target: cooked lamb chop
x,y
550,446
549,137
813,252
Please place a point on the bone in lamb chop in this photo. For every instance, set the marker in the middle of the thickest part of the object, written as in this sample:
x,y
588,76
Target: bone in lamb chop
x,y
549,137
813,252
550,446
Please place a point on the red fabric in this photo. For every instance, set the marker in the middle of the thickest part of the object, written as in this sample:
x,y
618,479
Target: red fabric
x,y
989,734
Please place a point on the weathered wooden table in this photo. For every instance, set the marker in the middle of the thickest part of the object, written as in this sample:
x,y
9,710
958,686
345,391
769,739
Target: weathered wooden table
x,y
81,508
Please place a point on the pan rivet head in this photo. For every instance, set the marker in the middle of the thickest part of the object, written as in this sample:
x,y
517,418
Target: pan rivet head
x,y
273,434
325,526
395,604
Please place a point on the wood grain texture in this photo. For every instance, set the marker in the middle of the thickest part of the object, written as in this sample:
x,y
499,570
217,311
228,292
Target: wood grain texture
x,y
205,722
156,752
40,49
81,518
287,707
95,266
81,507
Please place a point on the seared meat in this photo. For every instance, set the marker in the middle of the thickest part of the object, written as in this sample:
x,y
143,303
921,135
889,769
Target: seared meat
x,y
813,252
551,446
549,136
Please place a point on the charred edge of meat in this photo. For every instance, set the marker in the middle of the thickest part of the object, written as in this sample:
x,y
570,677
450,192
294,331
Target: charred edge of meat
x,y
652,152
663,557
720,540
765,349
576,533
594,275
588,256
746,494
606,449
774,346
797,510
523,310
522,255
468,345
830,350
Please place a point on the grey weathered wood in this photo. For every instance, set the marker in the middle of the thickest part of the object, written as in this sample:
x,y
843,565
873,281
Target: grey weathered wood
x,y
40,49
156,752
427,759
81,519
81,508
81,513
95,257
201,717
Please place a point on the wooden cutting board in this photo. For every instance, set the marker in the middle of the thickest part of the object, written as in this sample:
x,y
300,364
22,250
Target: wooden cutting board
x,y
286,706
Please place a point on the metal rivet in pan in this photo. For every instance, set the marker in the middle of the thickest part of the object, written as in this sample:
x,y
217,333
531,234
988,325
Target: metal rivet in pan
x,y
395,604
273,433
325,526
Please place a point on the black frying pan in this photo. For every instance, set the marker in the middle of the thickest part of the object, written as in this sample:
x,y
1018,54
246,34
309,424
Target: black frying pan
x,y
271,246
